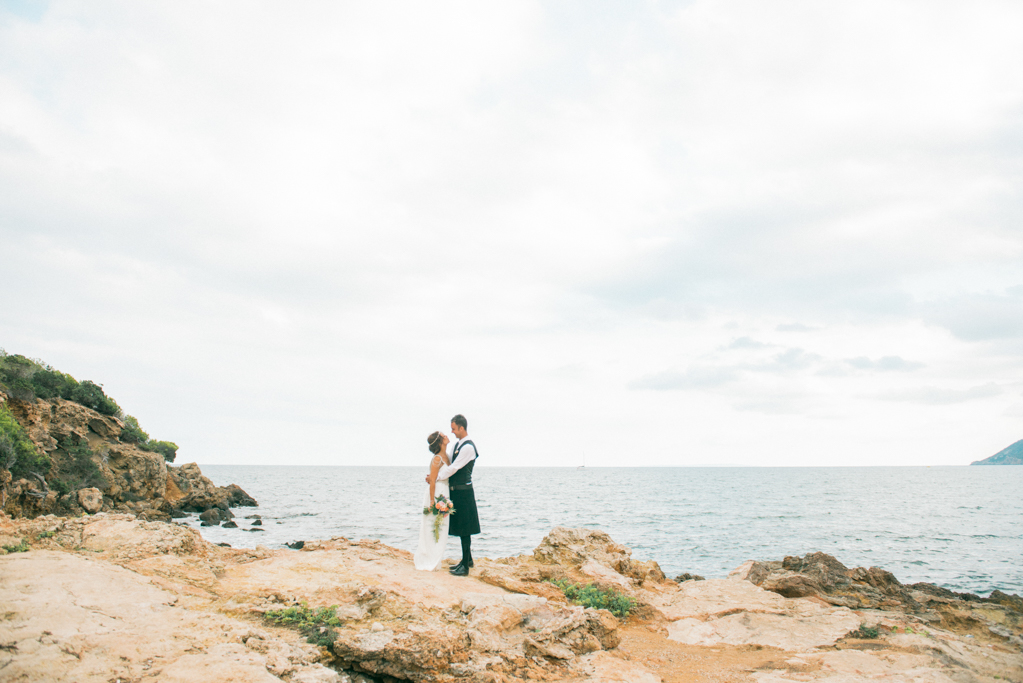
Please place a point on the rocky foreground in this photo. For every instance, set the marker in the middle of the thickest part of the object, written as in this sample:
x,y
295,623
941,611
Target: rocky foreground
x,y
110,597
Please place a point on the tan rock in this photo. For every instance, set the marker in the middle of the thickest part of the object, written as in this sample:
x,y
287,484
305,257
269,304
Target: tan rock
x,y
70,617
109,596
91,500
795,633
713,597
602,667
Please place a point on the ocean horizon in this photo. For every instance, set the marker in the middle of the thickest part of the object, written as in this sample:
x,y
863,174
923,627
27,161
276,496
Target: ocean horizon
x,y
959,527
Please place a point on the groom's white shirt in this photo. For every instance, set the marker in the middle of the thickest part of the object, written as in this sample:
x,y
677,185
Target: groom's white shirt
x,y
465,456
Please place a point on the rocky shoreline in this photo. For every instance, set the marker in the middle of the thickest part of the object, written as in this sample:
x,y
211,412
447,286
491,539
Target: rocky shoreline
x,y
112,596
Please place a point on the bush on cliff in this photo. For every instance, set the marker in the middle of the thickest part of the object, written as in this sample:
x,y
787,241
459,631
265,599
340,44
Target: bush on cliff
x,y
75,468
17,453
132,433
27,379
168,449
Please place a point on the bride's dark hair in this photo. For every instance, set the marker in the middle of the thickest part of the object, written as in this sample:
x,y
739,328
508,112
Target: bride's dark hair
x,y
434,441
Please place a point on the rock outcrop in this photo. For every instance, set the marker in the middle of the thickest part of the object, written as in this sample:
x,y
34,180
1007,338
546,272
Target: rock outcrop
x,y
111,596
88,457
822,576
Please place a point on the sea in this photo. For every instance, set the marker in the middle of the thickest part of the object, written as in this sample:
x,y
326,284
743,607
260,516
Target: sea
x,y
957,527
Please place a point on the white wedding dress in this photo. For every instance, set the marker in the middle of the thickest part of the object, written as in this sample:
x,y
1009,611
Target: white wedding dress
x,y
430,552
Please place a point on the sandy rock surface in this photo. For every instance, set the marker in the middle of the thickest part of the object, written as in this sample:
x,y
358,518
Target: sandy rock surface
x,y
108,597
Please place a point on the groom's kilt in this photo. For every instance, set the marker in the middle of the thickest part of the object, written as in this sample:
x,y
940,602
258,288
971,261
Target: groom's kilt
x,y
465,521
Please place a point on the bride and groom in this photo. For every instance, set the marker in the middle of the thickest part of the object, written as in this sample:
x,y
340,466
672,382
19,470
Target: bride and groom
x,y
450,477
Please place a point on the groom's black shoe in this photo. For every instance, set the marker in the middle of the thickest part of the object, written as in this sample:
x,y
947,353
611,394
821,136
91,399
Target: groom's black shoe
x,y
459,570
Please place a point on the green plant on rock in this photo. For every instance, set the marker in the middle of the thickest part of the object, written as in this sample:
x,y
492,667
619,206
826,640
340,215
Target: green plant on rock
x,y
168,449
864,632
17,453
591,595
317,625
132,433
76,469
22,547
47,534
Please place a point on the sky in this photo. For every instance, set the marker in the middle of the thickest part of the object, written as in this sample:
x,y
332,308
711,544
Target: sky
x,y
656,233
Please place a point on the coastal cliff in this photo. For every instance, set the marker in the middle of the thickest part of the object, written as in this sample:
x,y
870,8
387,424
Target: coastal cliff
x,y
109,596
1013,455
69,456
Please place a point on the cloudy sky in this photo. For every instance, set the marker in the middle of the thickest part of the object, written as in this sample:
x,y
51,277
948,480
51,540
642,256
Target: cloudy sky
x,y
654,233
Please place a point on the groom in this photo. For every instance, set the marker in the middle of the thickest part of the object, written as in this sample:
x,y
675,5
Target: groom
x,y
464,521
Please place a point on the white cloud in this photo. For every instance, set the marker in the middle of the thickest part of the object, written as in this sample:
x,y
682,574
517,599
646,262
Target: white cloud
x,y
310,234
942,396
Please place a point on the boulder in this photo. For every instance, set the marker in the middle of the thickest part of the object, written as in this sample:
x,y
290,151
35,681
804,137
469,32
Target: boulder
x,y
589,549
105,426
211,516
239,498
91,500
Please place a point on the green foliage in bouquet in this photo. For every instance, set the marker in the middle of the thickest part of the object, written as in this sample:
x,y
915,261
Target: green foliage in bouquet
x,y
440,508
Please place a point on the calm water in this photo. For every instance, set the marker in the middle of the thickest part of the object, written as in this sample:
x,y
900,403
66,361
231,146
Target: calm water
x,y
959,527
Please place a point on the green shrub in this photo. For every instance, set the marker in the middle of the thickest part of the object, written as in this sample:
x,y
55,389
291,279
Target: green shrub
x,y
864,632
77,469
132,432
91,395
22,547
317,625
593,596
167,449
27,379
17,453
49,383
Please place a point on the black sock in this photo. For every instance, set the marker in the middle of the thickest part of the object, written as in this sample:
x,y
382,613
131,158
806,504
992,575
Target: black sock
x,y
466,551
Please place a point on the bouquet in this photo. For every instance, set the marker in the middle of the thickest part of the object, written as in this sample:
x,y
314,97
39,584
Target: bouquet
x,y
440,508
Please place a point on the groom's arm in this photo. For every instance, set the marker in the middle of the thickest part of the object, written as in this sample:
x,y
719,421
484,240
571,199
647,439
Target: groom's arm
x,y
466,455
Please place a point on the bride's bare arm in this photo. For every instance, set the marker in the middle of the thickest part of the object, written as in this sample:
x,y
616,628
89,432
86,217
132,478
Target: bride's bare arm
x,y
434,469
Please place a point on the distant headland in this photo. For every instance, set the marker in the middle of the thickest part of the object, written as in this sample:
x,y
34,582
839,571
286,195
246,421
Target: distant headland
x,y
1013,455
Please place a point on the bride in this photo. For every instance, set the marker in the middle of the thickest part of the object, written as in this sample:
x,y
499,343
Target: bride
x,y
431,551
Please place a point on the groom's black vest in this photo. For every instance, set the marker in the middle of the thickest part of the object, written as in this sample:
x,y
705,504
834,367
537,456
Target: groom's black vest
x,y
464,475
